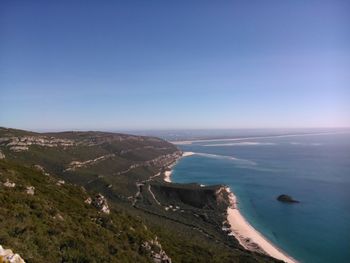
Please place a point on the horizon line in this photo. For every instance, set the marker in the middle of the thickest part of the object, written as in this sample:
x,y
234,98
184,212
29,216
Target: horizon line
x,y
169,129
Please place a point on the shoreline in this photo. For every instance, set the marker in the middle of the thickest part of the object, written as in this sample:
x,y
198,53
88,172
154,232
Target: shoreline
x,y
250,238
167,174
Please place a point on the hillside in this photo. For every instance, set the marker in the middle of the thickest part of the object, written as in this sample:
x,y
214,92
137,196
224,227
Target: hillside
x,y
55,223
68,168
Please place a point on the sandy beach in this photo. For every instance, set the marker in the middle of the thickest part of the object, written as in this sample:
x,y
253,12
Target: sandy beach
x,y
167,174
248,236
185,154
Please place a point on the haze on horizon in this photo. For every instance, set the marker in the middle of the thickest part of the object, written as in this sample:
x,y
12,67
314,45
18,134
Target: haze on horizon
x,y
174,65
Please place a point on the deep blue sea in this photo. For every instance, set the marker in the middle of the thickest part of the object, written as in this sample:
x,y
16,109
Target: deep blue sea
x,y
314,169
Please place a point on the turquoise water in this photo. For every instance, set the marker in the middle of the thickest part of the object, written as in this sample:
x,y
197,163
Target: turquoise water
x,y
314,169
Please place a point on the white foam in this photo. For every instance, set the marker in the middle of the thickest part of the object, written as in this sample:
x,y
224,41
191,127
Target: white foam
x,y
306,144
239,144
217,156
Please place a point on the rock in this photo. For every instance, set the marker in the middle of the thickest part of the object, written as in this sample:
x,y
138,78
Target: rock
x,y
4,139
80,164
18,144
30,190
100,202
157,253
60,182
2,156
39,168
286,199
58,217
19,148
9,184
6,255
88,201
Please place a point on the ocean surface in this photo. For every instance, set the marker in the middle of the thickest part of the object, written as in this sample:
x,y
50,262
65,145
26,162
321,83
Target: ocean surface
x,y
314,169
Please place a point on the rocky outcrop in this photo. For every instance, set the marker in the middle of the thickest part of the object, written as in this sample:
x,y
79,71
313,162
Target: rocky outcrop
x,y
224,197
190,194
100,202
88,201
17,143
80,164
155,249
9,184
30,190
2,156
162,161
40,169
59,217
7,256
22,143
60,182
18,148
286,199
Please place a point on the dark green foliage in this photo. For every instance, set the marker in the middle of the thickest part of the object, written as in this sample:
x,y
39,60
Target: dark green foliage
x,y
55,225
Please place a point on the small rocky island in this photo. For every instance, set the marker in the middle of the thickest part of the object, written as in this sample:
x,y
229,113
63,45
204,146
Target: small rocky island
x,y
286,199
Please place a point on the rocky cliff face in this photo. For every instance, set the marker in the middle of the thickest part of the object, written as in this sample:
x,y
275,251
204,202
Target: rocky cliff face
x,y
22,143
7,256
2,156
212,197
155,249
100,202
162,161
18,141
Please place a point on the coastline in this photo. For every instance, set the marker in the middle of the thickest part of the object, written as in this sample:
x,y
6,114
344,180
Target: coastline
x,y
167,174
248,236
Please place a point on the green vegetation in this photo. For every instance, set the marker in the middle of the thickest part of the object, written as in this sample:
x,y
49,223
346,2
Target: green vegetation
x,y
56,225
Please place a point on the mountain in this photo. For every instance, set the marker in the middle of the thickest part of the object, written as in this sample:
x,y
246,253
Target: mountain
x,y
100,197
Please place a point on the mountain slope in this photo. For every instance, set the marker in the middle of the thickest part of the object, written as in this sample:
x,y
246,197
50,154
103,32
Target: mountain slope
x,y
54,224
128,170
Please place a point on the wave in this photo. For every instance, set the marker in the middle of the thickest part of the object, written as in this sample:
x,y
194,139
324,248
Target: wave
x,y
239,163
239,144
217,156
307,144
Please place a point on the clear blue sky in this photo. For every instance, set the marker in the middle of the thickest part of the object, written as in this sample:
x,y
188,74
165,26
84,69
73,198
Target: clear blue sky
x,y
174,64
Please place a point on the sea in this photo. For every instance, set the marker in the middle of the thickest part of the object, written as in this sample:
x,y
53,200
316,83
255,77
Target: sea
x,y
312,168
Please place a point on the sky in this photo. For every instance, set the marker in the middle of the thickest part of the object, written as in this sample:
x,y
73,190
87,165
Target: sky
x,y
116,65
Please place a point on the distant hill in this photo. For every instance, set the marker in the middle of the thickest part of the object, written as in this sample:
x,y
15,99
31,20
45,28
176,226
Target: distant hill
x,y
91,159
100,197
